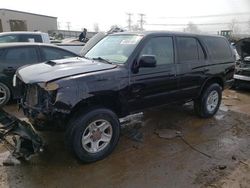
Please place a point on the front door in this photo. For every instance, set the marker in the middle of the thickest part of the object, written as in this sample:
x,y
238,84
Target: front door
x,y
155,85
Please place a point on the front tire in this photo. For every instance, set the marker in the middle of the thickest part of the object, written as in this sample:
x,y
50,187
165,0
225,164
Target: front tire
x,y
4,94
209,102
94,134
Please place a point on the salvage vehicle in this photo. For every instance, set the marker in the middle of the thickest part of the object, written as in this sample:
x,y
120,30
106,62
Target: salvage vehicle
x,y
15,55
242,72
122,74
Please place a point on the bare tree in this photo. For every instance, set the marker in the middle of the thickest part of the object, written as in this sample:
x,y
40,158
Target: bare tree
x,y
96,27
192,28
233,26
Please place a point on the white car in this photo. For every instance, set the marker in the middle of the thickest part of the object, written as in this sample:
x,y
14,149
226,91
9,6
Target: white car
x,y
24,36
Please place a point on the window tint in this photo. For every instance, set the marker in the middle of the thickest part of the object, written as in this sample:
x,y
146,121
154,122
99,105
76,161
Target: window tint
x,y
54,53
30,38
22,56
162,48
189,49
218,47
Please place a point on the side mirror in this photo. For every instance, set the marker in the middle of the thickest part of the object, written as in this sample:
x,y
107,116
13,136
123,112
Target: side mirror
x,y
147,61
247,58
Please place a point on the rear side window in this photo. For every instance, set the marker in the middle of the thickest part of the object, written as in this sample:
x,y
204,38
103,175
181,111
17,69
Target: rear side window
x,y
189,49
55,53
8,38
20,38
30,38
22,56
218,48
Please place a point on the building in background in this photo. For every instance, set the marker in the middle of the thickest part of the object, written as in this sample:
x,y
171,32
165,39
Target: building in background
x,y
12,20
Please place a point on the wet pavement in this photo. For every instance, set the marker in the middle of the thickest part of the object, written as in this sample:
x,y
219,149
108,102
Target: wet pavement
x,y
164,147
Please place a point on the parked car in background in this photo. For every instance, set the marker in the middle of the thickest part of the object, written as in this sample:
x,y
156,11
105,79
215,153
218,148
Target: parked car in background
x,y
24,36
242,73
73,47
122,74
15,55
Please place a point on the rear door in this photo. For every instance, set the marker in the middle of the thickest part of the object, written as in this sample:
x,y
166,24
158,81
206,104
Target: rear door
x,y
156,85
191,66
13,58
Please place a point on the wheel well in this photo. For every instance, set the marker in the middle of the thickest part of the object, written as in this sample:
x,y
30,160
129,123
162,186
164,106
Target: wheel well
x,y
111,102
213,80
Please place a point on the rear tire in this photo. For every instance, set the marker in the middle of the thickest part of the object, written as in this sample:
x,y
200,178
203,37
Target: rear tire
x,y
93,135
4,94
209,102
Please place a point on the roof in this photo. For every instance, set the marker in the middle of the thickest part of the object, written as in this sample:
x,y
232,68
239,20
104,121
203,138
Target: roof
x,y
4,9
17,44
144,33
21,32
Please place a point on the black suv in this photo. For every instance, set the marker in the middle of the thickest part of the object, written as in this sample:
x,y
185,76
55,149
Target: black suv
x,y
15,55
122,74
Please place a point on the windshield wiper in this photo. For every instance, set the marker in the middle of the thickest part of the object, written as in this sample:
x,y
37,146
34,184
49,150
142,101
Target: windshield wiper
x,y
102,60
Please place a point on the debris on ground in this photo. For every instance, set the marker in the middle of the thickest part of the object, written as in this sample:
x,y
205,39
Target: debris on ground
x,y
219,117
234,158
135,135
223,108
229,97
222,167
167,133
7,159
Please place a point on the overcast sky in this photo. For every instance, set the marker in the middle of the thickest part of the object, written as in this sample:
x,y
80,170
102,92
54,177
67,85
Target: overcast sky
x,y
84,13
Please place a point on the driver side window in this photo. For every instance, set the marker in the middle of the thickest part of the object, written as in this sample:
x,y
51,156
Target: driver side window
x,y
161,48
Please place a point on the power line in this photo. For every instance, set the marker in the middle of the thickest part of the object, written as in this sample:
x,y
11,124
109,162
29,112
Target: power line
x,y
208,16
203,24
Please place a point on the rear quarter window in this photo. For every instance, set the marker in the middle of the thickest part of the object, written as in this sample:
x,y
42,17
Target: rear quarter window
x,y
218,48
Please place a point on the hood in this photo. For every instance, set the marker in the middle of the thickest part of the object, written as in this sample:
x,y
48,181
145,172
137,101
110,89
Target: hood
x,y
52,70
243,47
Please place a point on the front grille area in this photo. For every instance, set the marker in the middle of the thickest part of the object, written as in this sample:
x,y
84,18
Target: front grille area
x,y
31,95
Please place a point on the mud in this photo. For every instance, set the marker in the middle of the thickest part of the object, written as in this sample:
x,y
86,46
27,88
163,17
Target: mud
x,y
150,160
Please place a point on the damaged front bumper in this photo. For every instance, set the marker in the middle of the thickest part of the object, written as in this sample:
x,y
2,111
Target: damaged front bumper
x,y
28,142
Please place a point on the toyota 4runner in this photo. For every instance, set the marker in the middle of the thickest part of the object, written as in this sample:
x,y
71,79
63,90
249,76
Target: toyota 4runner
x,y
122,74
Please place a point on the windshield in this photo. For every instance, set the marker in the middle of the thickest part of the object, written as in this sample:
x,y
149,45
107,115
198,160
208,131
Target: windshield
x,y
114,48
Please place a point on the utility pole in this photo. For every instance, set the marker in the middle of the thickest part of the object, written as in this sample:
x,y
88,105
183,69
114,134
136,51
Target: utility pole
x,y
129,21
141,21
68,25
